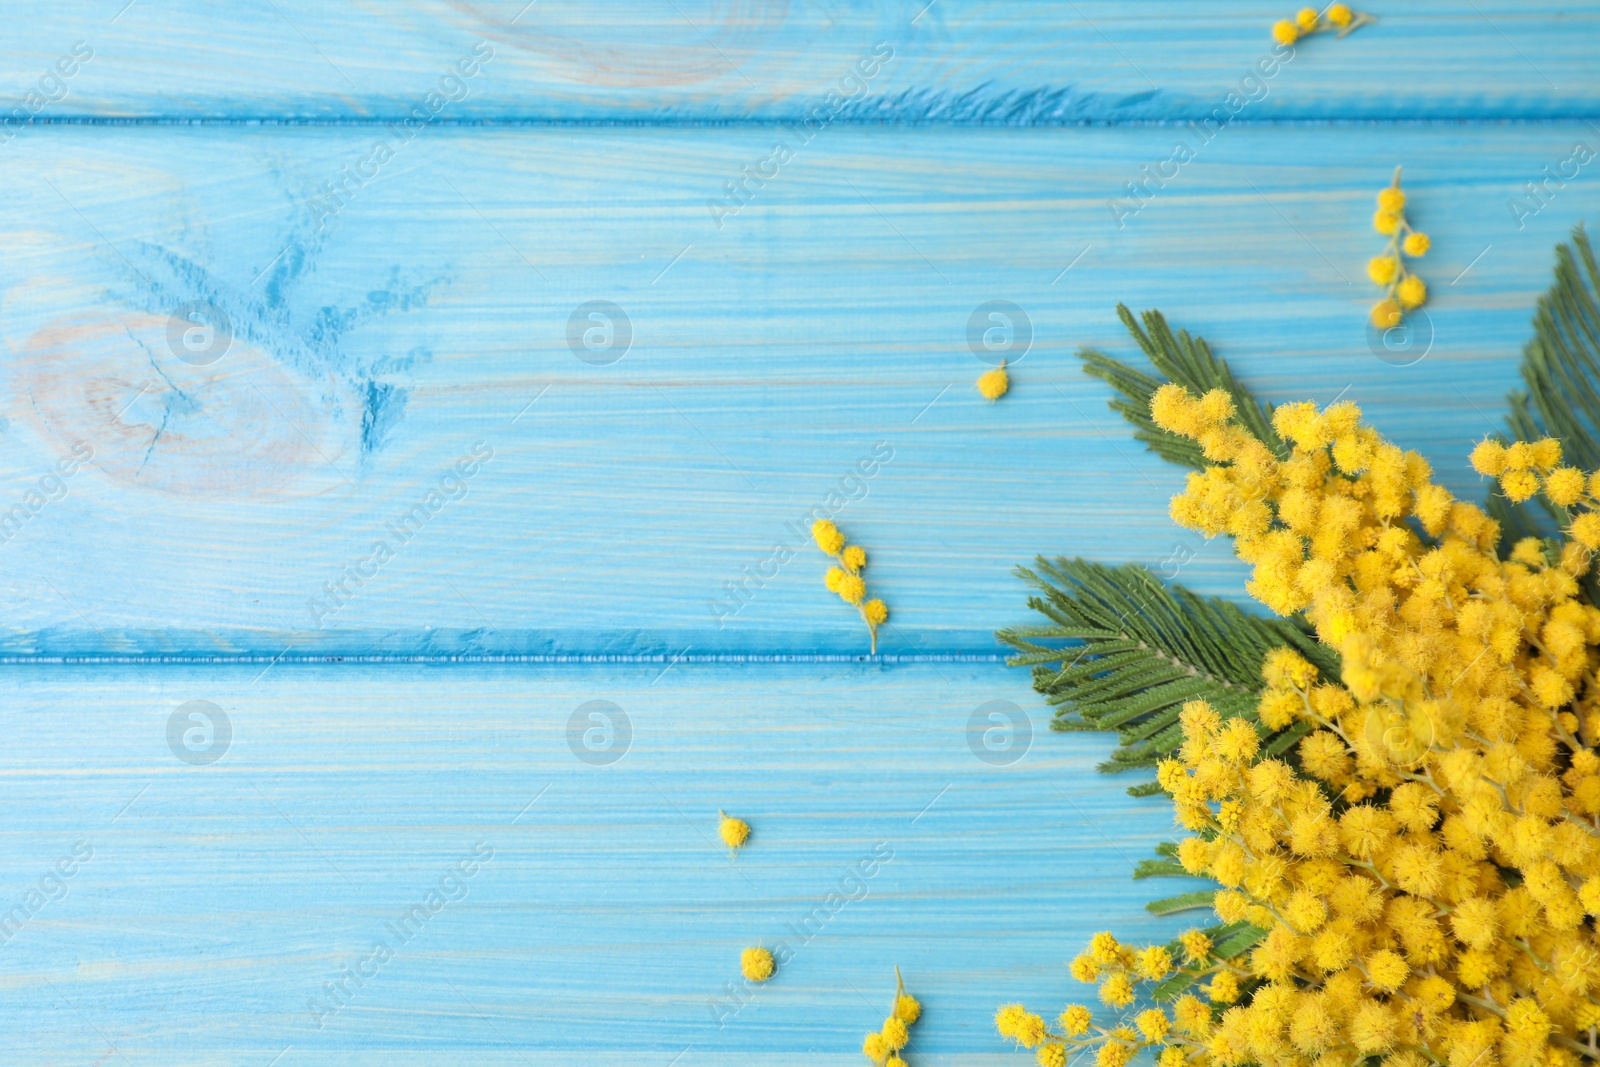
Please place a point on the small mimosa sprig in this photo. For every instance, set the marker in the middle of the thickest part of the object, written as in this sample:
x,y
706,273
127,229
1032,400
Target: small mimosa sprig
x,y
1404,291
1339,18
846,580
883,1047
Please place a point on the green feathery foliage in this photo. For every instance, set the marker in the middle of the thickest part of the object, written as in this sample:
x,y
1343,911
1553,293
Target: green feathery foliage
x,y
1561,369
1561,364
1187,361
1121,651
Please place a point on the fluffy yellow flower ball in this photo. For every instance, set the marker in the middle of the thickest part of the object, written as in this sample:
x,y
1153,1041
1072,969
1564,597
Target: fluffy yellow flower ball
x,y
1155,962
1008,1019
757,964
1488,457
1586,530
1284,31
1388,970
875,1048
1386,222
994,384
1416,244
1075,1020
1306,19
1114,1054
1196,945
1386,314
895,1033
1153,1024
907,1008
1340,15
855,557
827,536
1519,485
1392,199
851,589
1031,1030
1117,990
1565,485
1546,453
1382,269
876,611
1411,292
734,832
1051,1055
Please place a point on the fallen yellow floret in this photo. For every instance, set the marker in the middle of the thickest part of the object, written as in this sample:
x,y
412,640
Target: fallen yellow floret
x,y
757,964
994,384
734,832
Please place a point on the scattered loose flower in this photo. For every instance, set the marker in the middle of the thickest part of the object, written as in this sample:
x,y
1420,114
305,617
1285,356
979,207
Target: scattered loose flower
x,y
883,1047
994,384
1415,882
1339,18
1403,291
734,832
757,964
846,580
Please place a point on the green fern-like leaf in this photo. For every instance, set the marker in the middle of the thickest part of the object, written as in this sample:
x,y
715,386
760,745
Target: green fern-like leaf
x,y
1561,364
1227,942
1182,359
1200,898
1121,651
1159,869
1561,372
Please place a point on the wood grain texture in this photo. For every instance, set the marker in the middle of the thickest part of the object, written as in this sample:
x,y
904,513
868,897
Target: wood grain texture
x,y
219,898
770,60
400,317
768,358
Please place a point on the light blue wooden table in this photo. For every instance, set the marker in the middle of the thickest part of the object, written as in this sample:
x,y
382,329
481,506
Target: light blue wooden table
x,y
398,208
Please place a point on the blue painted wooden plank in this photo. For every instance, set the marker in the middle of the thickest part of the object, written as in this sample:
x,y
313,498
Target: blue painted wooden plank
x,y
210,899
233,506
718,60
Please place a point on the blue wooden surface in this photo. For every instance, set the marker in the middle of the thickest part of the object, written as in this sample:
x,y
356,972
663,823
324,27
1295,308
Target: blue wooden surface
x,y
219,898
828,319
774,349
718,61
